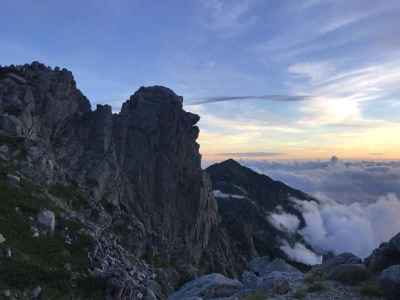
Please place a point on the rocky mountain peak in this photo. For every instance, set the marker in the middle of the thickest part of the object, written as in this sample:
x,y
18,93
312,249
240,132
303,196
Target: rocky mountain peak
x,y
36,101
38,74
231,170
245,200
230,164
139,169
159,107
157,94
154,98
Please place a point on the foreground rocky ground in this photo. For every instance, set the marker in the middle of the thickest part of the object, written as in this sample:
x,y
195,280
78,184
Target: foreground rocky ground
x,y
341,277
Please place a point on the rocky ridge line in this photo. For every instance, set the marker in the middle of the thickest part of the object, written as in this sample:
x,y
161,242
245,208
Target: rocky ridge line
x,y
138,170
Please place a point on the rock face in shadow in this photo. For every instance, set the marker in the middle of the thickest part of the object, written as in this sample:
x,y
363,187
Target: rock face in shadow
x,y
212,286
389,280
140,168
388,254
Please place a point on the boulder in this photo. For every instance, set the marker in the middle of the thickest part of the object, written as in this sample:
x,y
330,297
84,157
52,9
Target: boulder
x,y
279,265
275,282
208,287
341,259
275,277
329,269
388,254
259,264
2,238
280,286
349,273
8,252
389,281
13,180
7,293
324,270
249,280
47,220
36,292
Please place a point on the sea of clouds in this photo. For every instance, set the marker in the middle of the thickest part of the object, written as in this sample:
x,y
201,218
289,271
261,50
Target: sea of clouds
x,y
358,208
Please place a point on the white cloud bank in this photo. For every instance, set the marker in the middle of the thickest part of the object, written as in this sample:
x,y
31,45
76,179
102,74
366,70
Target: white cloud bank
x,y
285,222
359,205
344,182
301,254
357,228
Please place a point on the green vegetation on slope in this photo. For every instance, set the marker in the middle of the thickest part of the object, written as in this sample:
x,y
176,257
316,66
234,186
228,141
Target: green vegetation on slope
x,y
47,260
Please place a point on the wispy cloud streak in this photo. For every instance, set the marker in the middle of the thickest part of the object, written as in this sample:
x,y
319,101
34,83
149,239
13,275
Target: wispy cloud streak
x,y
278,98
250,154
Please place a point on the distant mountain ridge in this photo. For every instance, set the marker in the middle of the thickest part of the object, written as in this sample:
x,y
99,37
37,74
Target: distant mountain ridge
x,y
246,200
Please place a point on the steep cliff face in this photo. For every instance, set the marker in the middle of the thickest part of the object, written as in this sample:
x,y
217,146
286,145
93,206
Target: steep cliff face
x,y
139,169
143,166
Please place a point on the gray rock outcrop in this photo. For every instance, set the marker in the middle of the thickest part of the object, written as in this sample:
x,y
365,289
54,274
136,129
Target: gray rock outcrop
x,y
386,255
208,287
258,265
2,238
390,282
343,258
274,276
47,220
349,273
279,265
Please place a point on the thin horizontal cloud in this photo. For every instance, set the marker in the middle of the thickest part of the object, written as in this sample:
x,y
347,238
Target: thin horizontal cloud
x,y
273,97
359,124
250,154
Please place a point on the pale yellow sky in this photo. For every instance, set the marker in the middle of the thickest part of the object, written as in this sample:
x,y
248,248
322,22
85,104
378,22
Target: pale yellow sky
x,y
380,142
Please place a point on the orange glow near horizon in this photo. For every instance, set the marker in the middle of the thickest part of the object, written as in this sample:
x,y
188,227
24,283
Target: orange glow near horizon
x,y
317,132
378,145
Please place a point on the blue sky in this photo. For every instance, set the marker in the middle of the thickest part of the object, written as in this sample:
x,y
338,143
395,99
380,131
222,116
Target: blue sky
x,y
345,53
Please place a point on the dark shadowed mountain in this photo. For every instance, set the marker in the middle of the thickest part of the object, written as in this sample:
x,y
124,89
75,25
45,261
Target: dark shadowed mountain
x,y
246,201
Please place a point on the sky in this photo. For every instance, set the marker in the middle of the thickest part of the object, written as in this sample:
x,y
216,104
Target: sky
x,y
323,76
